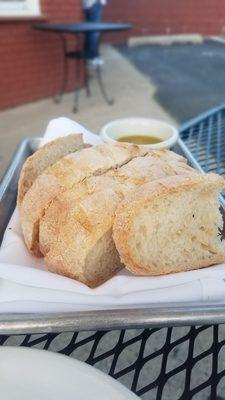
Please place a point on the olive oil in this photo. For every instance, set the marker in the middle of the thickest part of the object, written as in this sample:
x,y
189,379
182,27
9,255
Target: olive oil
x,y
140,139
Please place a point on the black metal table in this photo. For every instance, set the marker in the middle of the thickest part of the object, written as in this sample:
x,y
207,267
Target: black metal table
x,y
172,363
80,29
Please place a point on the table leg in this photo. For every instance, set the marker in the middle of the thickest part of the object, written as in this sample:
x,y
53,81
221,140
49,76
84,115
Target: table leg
x,y
108,100
65,70
77,89
82,39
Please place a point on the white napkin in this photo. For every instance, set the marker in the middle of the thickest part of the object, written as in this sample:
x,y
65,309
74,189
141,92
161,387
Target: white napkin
x,y
26,286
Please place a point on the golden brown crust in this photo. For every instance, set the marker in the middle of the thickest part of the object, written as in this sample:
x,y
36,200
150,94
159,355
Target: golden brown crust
x,y
74,248
84,214
63,175
140,198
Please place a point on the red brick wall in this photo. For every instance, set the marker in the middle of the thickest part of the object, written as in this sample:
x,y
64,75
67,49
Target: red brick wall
x,y
155,17
31,61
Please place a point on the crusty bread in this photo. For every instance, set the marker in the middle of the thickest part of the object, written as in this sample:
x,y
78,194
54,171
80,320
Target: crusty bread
x,y
63,175
43,158
67,205
94,210
76,230
171,225
83,248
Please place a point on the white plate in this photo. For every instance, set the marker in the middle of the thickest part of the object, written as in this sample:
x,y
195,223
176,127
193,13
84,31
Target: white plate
x,y
27,374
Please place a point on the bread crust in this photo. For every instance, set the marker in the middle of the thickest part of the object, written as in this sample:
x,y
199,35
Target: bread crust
x,y
75,252
63,175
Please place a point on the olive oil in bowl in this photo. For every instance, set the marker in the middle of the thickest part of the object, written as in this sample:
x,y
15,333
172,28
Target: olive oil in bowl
x,y
140,131
140,139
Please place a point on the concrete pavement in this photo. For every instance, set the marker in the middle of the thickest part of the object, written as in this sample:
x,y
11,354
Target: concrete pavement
x,y
133,93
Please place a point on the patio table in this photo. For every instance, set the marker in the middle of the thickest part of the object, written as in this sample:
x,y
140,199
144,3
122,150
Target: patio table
x,y
80,30
138,347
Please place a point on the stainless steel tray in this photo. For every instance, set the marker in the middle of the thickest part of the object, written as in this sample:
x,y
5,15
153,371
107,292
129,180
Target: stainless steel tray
x,y
157,316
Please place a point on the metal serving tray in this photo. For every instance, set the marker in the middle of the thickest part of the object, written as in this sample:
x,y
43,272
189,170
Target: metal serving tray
x,y
174,314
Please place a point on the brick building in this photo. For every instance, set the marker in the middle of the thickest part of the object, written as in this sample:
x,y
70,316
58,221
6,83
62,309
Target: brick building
x,y
31,61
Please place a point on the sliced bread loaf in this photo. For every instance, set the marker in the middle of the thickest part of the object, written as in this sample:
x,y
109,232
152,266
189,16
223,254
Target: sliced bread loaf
x,y
63,175
76,230
171,225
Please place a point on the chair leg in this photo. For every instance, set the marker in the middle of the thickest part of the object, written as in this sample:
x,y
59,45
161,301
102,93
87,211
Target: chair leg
x,y
108,100
58,98
77,89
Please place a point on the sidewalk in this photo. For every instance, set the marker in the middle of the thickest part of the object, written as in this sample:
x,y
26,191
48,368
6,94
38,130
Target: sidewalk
x,y
133,93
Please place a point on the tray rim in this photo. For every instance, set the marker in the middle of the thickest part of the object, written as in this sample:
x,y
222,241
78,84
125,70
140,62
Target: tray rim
x,y
164,315
155,317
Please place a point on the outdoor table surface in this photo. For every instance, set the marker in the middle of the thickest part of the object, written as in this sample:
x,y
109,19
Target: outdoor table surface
x,y
174,363
83,27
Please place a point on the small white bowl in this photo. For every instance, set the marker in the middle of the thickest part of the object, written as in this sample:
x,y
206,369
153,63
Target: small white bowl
x,y
111,132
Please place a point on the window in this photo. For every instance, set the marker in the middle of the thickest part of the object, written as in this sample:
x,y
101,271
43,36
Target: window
x,y
19,8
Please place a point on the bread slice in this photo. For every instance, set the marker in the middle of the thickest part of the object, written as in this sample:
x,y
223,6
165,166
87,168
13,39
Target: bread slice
x,y
43,158
171,225
63,175
76,230
83,249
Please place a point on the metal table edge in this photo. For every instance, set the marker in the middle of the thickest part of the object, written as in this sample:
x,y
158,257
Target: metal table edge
x,y
201,116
